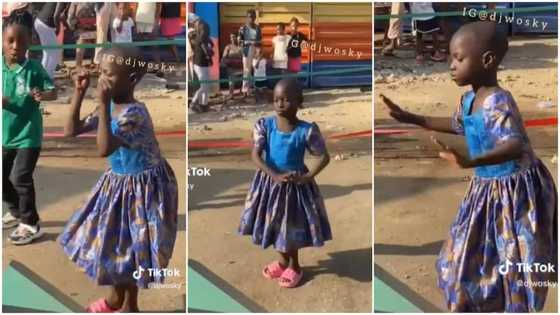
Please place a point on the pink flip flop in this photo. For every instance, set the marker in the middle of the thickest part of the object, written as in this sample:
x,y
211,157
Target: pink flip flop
x,y
100,306
273,270
290,278
438,57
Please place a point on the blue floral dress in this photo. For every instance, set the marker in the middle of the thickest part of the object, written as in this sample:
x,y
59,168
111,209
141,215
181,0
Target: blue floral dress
x,y
288,216
507,217
130,218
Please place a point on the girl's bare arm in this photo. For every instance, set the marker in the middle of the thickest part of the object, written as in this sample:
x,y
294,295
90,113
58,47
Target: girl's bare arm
x,y
74,125
440,124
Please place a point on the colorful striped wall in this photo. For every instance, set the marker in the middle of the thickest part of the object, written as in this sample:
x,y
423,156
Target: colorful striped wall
x,y
338,29
233,16
342,37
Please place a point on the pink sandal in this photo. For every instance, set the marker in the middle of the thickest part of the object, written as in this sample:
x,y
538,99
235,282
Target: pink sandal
x,y
101,306
273,270
438,57
290,278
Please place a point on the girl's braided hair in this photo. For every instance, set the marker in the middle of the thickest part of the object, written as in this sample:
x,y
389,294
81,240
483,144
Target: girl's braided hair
x,y
21,18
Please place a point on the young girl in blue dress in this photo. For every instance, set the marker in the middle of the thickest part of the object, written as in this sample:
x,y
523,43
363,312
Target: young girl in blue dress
x,y
284,207
129,223
508,217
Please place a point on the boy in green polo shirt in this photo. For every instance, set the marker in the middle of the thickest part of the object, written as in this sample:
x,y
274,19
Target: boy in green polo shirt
x,y
24,84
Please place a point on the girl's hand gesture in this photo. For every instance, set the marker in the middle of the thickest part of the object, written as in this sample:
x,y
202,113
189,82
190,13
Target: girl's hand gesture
x,y
452,156
104,91
398,113
301,179
282,178
81,80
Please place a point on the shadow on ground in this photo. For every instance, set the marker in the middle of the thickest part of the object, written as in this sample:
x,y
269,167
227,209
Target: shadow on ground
x,y
343,264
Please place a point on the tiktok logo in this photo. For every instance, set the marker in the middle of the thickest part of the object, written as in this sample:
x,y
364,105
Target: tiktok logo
x,y
526,267
138,273
504,268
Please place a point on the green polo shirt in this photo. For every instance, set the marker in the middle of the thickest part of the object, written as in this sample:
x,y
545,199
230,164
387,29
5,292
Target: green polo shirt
x,y
21,118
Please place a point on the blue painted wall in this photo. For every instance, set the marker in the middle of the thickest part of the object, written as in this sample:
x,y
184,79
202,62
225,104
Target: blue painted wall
x,y
210,14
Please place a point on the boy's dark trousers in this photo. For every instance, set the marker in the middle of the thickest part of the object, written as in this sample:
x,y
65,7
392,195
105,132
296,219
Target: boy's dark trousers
x,y
19,192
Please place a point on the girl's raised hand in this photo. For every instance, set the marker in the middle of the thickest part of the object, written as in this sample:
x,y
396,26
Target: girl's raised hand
x,y
397,113
104,91
451,155
81,80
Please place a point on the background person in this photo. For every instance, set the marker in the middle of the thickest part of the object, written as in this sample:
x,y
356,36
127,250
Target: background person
x,y
103,13
202,60
294,46
232,61
46,25
394,30
249,35
170,24
82,20
122,25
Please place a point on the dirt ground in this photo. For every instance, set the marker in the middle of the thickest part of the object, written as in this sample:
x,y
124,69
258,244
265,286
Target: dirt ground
x,y
419,193
68,170
336,111
338,275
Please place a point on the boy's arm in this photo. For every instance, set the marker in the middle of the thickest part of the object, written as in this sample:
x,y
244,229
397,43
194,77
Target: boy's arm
x,y
49,95
43,88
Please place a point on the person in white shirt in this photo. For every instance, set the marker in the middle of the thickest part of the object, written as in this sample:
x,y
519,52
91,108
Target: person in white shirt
x,y
426,25
121,28
280,44
259,73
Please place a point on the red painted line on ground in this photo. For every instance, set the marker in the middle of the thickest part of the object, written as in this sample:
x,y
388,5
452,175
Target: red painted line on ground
x,y
542,122
391,131
216,144
358,134
212,144
60,134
